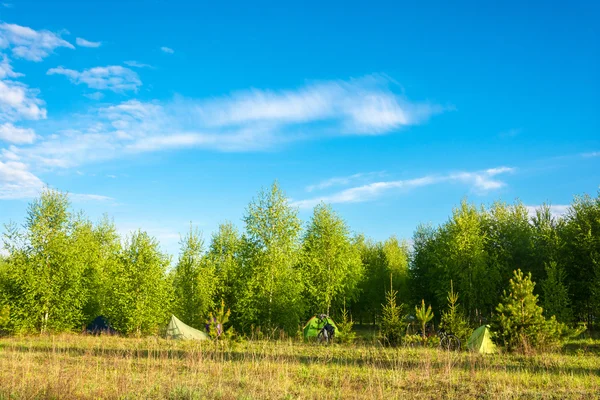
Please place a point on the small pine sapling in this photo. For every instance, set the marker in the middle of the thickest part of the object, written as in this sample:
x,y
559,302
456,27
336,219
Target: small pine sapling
x,y
392,323
345,326
424,315
216,323
453,320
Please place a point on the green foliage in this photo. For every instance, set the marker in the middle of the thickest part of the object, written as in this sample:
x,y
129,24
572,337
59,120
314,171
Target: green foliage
x,y
453,320
380,260
345,325
224,254
581,254
424,315
140,291
4,317
46,283
217,322
556,295
194,281
331,265
271,296
393,326
519,321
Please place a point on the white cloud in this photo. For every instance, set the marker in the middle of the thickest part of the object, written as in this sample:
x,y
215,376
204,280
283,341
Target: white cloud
x,y
482,181
17,182
95,95
17,101
557,210
6,70
479,181
112,77
12,134
341,181
253,120
511,132
137,64
591,154
30,44
80,198
86,43
167,50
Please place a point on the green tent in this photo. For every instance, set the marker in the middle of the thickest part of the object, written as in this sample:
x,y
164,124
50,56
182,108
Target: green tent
x,y
481,341
178,330
314,325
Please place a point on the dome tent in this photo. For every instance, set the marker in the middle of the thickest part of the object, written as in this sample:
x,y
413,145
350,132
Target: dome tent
x,y
315,324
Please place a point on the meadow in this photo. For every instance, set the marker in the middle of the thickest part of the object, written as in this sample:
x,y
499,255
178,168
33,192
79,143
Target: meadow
x,y
71,366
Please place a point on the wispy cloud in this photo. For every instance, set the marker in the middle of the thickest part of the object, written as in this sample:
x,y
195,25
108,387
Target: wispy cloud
x,y
253,120
479,181
17,182
18,101
86,43
591,154
112,77
511,132
167,50
28,43
342,180
136,64
12,134
80,198
95,95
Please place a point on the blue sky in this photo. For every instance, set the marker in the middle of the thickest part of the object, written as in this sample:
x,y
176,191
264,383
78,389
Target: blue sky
x,y
164,113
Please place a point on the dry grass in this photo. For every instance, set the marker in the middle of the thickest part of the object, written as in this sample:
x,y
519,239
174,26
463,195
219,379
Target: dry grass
x,y
72,366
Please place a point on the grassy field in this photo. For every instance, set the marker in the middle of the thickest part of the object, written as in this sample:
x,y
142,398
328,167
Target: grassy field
x,y
72,366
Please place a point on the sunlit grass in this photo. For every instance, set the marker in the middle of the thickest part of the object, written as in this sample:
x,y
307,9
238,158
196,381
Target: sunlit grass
x,y
72,366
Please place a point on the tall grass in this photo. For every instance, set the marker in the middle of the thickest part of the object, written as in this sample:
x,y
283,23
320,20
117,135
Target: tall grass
x,y
73,366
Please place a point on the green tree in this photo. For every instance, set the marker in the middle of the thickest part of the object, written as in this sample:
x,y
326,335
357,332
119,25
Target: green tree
x,y
224,254
556,296
331,265
519,321
140,291
273,285
581,256
194,281
46,286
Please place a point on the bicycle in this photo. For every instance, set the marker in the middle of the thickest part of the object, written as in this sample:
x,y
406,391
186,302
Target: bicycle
x,y
327,332
448,341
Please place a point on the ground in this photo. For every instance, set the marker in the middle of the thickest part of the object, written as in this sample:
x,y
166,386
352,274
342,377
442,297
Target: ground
x,y
75,366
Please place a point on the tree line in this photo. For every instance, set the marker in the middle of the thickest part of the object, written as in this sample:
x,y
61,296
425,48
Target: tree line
x,y
62,270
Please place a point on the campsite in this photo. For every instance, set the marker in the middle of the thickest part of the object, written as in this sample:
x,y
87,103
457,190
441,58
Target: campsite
x,y
312,200
213,325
